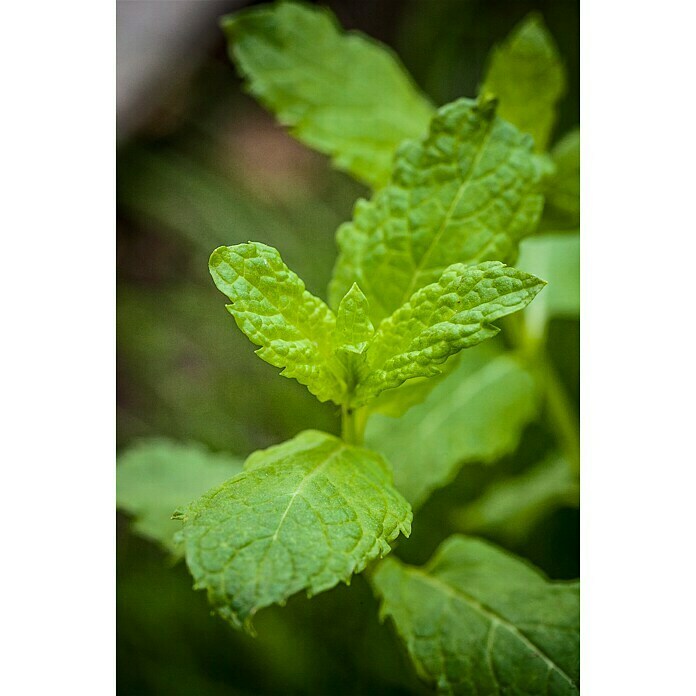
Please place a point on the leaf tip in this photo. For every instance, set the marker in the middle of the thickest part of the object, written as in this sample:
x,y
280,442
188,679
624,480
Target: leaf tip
x,y
215,258
226,24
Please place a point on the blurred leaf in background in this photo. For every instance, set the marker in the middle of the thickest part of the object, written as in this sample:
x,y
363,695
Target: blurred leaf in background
x,y
476,415
167,474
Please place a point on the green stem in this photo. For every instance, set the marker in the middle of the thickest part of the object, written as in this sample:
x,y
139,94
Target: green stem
x,y
353,423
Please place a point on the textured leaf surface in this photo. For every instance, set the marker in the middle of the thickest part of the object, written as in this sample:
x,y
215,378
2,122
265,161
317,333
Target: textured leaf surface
x,y
527,76
396,402
468,192
271,306
441,319
154,477
354,331
562,210
476,620
303,515
510,508
341,93
353,326
556,257
476,414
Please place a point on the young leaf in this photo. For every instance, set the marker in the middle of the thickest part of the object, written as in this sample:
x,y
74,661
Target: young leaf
x,y
271,306
562,210
354,329
527,76
343,94
303,515
476,620
476,415
440,320
154,477
468,192
510,508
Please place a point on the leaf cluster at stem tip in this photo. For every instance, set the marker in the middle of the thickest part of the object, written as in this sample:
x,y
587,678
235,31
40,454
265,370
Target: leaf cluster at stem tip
x,y
344,359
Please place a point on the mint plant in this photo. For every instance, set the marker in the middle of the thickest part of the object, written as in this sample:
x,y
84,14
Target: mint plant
x,y
426,267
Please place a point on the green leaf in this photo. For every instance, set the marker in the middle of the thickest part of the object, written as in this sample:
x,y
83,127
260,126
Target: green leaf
x,y
271,306
354,329
476,415
511,507
562,210
441,319
303,515
527,76
154,477
466,193
343,94
476,620
556,257
396,402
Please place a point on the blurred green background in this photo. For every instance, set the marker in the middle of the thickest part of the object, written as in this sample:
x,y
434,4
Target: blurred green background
x,y
200,164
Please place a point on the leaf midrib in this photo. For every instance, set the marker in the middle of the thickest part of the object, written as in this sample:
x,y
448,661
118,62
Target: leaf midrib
x,y
491,615
338,449
450,211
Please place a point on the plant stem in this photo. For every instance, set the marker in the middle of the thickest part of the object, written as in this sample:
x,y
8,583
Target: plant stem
x,y
353,423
